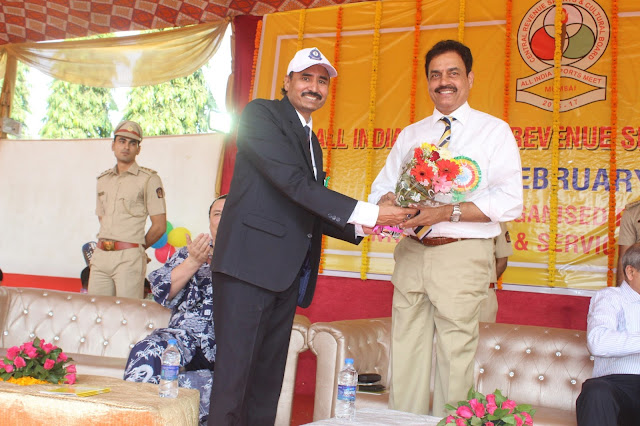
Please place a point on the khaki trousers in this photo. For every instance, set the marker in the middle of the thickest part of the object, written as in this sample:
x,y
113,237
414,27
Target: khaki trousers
x,y
438,290
118,273
489,307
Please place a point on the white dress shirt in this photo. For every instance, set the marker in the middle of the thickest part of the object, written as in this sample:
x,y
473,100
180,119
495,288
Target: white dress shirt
x,y
476,135
364,214
613,331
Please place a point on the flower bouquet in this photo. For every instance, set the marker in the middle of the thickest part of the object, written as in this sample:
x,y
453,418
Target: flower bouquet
x,y
432,176
37,362
491,410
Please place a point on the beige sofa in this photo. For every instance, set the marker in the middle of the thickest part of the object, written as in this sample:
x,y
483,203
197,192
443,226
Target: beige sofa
x,y
98,331
541,366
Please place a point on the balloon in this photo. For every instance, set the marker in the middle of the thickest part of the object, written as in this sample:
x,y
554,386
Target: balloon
x,y
164,253
178,236
161,242
169,227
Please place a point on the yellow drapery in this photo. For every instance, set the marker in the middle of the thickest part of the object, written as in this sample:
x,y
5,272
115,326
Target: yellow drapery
x,y
130,61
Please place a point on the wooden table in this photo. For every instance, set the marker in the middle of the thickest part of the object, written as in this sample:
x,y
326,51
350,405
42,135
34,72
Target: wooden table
x,y
382,417
128,403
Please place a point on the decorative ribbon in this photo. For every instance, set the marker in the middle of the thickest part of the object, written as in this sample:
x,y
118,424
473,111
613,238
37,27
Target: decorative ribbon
x,y
256,49
611,241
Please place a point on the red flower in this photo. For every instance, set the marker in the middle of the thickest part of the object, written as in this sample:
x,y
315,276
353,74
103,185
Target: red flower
x,y
8,368
448,169
418,154
19,362
48,364
509,405
478,408
528,421
13,352
70,378
71,368
62,357
450,419
435,156
461,422
48,347
422,172
519,421
464,411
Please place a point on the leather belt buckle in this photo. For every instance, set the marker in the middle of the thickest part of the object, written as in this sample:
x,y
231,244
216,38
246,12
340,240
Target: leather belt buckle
x,y
108,245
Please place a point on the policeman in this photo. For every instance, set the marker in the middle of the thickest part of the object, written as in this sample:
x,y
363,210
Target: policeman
x,y
127,194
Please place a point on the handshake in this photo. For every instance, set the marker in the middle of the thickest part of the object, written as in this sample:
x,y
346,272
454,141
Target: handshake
x,y
390,214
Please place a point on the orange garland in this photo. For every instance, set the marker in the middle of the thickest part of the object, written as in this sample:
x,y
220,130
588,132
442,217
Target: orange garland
x,y
507,77
25,381
414,70
614,143
332,116
256,49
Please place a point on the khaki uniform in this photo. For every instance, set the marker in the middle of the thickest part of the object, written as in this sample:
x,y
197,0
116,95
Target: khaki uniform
x,y
123,204
503,248
630,225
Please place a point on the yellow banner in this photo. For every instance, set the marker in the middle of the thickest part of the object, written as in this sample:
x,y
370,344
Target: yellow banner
x,y
585,118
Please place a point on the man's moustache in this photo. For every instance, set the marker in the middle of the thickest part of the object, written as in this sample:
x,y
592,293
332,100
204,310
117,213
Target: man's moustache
x,y
439,89
317,95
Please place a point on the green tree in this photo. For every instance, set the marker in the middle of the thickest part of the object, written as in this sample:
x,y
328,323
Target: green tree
x,y
20,107
177,107
77,112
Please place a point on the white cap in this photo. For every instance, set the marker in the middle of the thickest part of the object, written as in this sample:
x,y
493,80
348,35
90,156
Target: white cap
x,y
306,58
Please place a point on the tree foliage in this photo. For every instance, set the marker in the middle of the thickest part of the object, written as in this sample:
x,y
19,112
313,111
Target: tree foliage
x,y
177,107
20,107
77,112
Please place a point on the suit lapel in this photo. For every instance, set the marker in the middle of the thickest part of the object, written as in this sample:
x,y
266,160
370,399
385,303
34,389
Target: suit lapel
x,y
291,117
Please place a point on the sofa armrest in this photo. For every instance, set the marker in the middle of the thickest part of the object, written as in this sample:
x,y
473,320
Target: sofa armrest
x,y
367,341
297,344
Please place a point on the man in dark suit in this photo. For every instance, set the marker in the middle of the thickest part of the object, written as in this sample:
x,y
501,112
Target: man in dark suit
x,y
268,244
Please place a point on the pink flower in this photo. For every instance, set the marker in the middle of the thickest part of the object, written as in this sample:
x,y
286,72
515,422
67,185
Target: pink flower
x,y
461,422
509,405
48,364
13,352
70,378
62,357
19,362
489,424
31,352
491,408
48,347
491,399
464,411
477,406
527,419
450,419
440,184
71,368
8,368
519,421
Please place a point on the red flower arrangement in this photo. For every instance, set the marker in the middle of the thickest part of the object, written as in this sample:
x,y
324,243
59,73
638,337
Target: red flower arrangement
x,y
37,362
491,410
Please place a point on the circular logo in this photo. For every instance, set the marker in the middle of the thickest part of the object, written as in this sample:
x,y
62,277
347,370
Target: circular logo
x,y
585,34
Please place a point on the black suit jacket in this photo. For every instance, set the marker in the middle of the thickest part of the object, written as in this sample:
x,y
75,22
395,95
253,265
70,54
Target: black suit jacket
x,y
276,210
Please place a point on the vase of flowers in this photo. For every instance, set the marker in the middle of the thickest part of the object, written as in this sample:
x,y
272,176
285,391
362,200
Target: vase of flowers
x,y
37,362
491,410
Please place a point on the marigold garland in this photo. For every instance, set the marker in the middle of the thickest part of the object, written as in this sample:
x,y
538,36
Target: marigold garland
x,y
461,21
414,69
614,142
303,17
25,381
507,61
553,201
364,266
256,49
332,115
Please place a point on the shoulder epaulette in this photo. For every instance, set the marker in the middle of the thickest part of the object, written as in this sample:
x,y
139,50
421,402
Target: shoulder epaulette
x,y
147,170
633,204
106,172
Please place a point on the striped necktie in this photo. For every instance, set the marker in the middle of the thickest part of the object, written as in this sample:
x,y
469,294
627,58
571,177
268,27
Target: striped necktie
x,y
446,135
423,231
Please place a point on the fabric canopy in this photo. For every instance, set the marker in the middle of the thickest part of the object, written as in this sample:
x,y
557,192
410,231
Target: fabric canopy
x,y
139,60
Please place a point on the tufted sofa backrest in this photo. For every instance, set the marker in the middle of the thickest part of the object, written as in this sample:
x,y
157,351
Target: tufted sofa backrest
x,y
78,323
540,365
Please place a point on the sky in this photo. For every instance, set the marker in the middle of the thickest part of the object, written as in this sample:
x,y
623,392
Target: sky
x,y
216,74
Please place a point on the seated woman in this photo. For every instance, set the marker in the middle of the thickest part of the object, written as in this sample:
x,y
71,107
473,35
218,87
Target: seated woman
x,y
183,284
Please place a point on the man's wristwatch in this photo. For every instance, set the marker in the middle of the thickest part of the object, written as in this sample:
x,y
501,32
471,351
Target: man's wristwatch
x,y
455,216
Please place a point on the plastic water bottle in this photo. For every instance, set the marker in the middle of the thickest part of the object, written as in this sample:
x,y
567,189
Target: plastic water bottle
x,y
169,374
347,382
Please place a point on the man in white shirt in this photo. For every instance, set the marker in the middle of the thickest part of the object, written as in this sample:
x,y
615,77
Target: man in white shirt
x,y
441,280
612,396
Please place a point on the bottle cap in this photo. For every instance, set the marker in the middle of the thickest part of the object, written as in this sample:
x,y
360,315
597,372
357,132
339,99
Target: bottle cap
x,y
172,341
348,361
